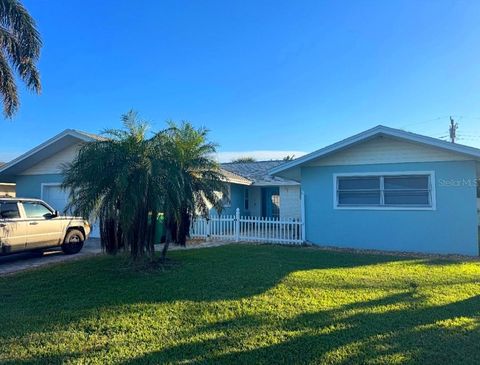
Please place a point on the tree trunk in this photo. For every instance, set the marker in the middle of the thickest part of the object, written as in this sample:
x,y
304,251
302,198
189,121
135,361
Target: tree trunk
x,y
168,238
183,228
152,229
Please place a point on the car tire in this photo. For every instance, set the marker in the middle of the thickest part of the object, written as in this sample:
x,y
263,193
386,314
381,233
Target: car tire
x,y
73,242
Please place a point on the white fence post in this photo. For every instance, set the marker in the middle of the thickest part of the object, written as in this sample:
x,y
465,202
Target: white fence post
x,y
237,225
207,228
302,212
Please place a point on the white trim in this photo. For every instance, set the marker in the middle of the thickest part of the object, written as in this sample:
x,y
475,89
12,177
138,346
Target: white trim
x,y
377,131
432,183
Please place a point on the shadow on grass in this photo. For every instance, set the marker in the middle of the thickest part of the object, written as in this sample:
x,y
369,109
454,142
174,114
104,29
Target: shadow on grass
x,y
407,336
84,288
221,273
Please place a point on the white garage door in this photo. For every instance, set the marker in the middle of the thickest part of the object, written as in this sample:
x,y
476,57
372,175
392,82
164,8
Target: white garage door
x,y
58,200
55,197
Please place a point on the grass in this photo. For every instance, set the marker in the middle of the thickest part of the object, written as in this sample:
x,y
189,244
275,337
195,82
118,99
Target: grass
x,y
245,304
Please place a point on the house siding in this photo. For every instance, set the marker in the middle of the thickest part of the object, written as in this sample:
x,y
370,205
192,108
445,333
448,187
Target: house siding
x,y
54,164
30,186
387,150
450,228
290,202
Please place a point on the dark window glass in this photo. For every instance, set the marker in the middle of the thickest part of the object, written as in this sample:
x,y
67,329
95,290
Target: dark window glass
x,y
406,190
405,182
359,198
359,183
407,197
9,210
359,190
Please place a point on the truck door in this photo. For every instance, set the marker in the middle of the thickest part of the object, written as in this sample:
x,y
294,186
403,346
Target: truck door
x,y
13,228
43,228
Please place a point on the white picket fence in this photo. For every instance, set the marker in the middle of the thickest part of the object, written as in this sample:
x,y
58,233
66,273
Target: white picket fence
x,y
253,229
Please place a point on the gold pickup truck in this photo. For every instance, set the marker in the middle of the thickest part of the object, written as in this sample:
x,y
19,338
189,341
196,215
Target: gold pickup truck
x,y
32,225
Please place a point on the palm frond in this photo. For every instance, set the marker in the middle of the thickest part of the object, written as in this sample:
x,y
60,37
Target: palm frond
x,y
8,89
20,45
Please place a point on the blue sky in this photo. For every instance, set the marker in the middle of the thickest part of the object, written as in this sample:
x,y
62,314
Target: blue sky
x,y
261,75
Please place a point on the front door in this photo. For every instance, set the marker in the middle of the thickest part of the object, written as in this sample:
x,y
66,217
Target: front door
x,y
13,229
271,202
42,229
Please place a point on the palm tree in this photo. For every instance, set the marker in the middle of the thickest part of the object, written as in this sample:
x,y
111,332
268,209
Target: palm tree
x,y
20,49
116,180
126,179
246,159
194,179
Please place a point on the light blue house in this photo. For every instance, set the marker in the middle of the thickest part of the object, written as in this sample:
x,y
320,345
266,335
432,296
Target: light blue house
x,y
392,190
381,189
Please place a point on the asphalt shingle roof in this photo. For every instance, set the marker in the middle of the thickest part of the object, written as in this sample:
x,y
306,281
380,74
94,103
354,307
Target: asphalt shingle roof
x,y
234,178
257,172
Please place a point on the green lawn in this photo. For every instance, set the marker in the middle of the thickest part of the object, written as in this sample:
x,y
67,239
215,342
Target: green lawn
x,y
245,304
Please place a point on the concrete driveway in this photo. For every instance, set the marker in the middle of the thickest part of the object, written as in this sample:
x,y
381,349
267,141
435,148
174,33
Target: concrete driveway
x,y
24,261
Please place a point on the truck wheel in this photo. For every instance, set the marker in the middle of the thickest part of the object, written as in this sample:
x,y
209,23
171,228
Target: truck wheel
x,y
73,242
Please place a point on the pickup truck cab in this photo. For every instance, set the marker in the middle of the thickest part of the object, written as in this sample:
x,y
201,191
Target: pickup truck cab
x,y
32,225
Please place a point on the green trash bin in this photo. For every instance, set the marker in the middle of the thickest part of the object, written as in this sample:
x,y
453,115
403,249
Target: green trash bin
x,y
160,229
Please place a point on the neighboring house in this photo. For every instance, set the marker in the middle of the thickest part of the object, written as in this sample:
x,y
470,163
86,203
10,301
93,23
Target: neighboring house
x,y
392,190
6,189
37,173
256,193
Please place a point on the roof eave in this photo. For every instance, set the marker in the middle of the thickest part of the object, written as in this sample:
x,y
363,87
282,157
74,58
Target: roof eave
x,y
371,133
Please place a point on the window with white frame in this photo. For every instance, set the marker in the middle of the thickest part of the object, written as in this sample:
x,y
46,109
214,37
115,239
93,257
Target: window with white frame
x,y
384,190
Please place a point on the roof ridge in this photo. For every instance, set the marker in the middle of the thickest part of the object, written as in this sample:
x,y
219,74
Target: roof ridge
x,y
250,162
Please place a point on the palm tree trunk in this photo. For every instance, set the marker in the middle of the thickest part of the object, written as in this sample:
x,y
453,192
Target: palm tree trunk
x,y
168,239
152,229
183,228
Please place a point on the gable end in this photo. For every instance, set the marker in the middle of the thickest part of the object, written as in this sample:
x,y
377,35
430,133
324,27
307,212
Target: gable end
x,y
381,149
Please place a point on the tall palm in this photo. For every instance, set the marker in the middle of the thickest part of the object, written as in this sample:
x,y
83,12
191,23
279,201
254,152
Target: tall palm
x,y
194,179
117,180
20,49
126,179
